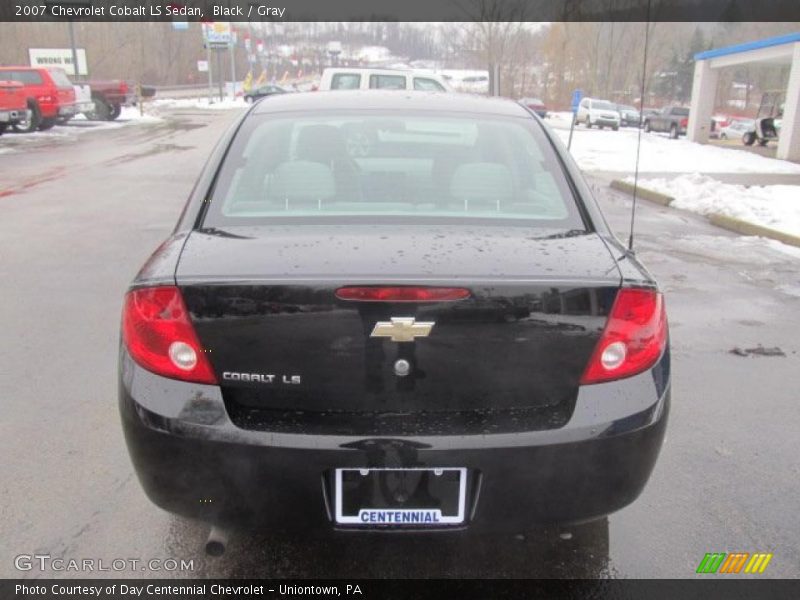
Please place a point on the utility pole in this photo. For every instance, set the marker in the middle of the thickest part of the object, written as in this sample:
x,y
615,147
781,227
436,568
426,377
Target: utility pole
x,y
218,52
233,69
210,78
74,49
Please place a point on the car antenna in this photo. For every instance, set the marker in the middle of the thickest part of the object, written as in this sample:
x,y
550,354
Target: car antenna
x,y
639,137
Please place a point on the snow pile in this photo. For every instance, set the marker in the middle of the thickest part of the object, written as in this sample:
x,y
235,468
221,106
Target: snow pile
x,y
762,252
201,102
607,150
131,114
128,114
775,206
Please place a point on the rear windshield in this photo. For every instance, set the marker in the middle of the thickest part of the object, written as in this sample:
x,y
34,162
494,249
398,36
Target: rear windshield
x,y
26,77
60,78
345,81
387,82
413,166
428,85
681,112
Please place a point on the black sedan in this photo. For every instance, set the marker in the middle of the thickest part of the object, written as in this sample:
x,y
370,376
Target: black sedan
x,y
263,91
436,332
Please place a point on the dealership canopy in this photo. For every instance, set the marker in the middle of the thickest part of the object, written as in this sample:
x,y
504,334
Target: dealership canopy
x,y
781,50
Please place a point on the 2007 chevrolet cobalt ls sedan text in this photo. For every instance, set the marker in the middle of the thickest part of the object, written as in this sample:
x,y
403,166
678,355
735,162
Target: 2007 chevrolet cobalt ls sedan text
x,y
393,310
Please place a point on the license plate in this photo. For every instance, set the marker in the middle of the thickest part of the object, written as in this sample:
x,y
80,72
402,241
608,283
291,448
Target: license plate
x,y
417,497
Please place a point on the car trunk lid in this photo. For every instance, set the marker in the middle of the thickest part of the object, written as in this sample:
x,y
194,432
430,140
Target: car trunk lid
x,y
291,354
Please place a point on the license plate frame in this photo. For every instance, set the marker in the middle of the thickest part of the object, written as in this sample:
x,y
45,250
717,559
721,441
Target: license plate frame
x,y
437,518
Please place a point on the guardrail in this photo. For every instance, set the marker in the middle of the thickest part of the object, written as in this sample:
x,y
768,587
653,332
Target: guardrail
x,y
192,90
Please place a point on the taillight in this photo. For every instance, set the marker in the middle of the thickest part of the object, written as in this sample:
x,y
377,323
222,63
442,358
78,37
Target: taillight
x,y
123,87
684,123
634,337
401,294
159,335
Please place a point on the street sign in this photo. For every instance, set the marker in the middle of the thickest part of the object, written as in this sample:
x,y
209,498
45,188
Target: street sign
x,y
218,34
577,96
58,57
202,66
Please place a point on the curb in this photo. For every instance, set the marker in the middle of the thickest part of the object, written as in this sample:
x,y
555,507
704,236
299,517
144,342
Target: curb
x,y
644,193
718,219
747,228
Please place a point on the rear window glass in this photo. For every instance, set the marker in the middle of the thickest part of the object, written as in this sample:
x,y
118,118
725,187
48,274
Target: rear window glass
x,y
345,81
389,165
387,82
428,85
60,78
27,77
681,112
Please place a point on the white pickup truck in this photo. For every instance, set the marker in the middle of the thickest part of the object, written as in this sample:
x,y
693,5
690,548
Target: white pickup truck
x,y
83,102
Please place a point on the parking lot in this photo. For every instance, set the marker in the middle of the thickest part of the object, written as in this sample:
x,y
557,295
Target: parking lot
x,y
82,209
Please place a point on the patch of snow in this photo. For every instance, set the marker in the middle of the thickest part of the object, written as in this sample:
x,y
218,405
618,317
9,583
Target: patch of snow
x,y
607,150
775,206
757,250
131,114
201,102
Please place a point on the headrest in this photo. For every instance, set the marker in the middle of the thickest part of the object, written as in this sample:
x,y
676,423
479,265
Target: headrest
x,y
482,181
301,180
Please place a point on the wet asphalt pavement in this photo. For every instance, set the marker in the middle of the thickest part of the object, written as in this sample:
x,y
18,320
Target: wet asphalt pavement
x,y
80,213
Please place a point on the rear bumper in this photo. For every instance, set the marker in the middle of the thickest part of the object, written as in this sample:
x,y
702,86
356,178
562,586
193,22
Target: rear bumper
x,y
82,107
67,110
11,116
192,460
605,122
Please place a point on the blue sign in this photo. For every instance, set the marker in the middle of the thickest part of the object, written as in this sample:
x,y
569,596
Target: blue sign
x,y
577,95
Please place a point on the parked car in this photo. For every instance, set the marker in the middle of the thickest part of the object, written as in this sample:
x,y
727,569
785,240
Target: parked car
x,y
649,112
263,91
381,79
718,122
736,129
628,115
536,105
470,84
109,97
13,104
671,119
49,95
478,392
601,113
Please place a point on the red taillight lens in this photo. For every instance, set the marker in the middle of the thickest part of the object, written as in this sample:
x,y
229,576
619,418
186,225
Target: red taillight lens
x,y
634,337
401,294
684,123
159,335
123,87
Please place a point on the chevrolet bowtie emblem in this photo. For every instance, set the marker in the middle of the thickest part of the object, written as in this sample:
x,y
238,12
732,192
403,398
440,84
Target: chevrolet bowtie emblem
x,y
402,329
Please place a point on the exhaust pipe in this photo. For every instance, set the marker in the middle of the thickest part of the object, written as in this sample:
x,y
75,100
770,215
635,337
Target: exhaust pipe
x,y
217,541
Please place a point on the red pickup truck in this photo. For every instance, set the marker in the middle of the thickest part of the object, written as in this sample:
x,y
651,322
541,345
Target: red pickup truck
x,y
49,95
109,97
13,104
